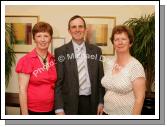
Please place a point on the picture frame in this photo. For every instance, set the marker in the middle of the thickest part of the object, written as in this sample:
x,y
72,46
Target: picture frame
x,y
22,26
99,29
56,43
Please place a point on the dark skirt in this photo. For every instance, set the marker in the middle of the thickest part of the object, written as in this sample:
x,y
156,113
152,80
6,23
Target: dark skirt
x,y
41,113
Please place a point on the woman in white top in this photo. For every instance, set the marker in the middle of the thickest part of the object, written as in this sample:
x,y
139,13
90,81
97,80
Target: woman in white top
x,y
124,78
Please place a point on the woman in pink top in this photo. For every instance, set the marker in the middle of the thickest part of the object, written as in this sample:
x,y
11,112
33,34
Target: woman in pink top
x,y
37,74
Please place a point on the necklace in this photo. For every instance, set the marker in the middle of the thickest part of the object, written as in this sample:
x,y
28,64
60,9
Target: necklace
x,y
117,67
43,59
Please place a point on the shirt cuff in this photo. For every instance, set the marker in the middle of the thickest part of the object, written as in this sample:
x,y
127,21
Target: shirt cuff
x,y
59,110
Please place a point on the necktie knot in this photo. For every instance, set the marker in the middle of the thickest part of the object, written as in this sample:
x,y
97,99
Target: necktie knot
x,y
79,49
79,52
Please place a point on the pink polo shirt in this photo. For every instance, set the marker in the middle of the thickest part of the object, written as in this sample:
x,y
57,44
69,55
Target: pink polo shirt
x,y
40,93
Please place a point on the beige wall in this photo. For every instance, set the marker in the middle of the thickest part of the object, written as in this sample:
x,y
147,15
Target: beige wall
x,y
58,17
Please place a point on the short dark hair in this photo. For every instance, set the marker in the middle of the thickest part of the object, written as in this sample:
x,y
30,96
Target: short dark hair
x,y
120,29
42,27
75,17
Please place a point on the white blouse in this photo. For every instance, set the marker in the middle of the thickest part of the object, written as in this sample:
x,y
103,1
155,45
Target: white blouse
x,y
119,97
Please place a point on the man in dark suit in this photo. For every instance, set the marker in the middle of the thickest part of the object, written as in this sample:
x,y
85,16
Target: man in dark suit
x,y
79,68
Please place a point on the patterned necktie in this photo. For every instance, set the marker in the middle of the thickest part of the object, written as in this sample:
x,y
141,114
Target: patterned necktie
x,y
81,69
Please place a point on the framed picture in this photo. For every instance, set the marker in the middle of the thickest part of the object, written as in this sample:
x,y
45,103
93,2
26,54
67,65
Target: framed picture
x,y
99,31
56,43
22,30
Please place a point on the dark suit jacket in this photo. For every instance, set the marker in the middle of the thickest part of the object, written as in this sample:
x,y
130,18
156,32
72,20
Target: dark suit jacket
x,y
67,85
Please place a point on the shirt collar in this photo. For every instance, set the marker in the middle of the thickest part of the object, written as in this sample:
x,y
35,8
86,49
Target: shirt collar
x,y
33,54
77,47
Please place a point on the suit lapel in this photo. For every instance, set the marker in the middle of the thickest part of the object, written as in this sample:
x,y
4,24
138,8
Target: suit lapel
x,y
89,51
71,59
73,64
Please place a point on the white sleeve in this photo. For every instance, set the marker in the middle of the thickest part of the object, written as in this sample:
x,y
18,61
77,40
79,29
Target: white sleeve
x,y
137,71
107,65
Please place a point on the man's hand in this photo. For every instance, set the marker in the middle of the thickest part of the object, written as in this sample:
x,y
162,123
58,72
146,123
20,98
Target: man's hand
x,y
100,109
60,113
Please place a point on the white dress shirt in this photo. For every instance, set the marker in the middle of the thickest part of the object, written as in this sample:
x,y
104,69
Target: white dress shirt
x,y
86,88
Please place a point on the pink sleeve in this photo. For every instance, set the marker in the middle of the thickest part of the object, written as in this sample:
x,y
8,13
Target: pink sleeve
x,y
24,65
